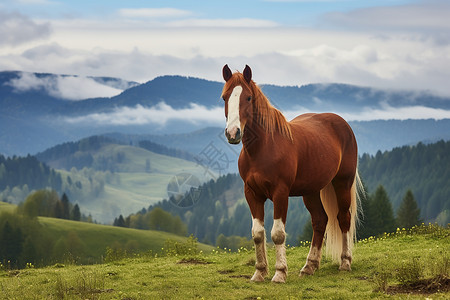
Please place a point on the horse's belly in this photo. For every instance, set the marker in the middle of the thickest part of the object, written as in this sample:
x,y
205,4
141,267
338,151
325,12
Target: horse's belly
x,y
306,185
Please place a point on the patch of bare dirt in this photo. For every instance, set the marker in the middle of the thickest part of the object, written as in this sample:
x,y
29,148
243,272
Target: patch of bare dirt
x,y
194,261
439,284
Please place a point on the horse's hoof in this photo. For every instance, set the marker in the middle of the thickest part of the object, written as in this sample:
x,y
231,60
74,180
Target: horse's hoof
x,y
258,276
307,271
304,274
345,266
279,277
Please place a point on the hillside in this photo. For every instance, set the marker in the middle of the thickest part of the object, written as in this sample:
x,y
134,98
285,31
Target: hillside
x,y
87,242
129,177
379,270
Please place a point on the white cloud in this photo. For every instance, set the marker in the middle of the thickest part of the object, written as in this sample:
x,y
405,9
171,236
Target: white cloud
x,y
159,115
65,87
140,49
17,29
420,16
385,113
165,12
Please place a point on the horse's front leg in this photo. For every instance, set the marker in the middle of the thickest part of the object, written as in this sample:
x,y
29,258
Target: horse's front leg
x,y
278,234
256,205
259,238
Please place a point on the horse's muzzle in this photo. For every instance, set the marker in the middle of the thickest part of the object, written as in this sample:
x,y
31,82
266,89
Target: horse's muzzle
x,y
233,136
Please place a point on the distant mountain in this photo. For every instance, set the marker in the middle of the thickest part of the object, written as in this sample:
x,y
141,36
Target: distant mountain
x,y
38,111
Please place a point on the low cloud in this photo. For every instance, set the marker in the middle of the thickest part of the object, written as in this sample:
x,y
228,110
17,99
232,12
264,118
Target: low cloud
x,y
158,115
64,87
17,29
385,113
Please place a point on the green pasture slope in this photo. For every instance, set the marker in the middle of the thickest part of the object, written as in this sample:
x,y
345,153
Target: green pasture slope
x,y
379,267
134,186
93,239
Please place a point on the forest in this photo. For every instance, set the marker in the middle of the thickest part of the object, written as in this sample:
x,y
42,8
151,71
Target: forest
x,y
423,169
77,154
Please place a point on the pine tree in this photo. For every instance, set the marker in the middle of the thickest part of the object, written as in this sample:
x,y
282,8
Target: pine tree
x,y
408,214
120,222
65,207
76,214
381,213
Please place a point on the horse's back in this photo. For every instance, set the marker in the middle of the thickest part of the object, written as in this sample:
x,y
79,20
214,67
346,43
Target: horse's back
x,y
330,140
329,124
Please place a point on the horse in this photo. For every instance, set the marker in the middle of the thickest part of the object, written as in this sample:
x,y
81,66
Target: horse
x,y
313,156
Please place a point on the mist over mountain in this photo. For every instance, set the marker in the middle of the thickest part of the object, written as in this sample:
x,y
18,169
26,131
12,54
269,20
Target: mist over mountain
x,y
38,111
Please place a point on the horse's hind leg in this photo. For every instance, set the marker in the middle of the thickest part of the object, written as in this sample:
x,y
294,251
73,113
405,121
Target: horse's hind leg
x,y
343,195
319,221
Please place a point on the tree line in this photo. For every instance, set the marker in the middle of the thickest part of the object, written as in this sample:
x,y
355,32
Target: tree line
x,y
79,155
161,149
46,203
20,171
155,219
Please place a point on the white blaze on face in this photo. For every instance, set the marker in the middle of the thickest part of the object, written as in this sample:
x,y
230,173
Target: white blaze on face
x,y
233,122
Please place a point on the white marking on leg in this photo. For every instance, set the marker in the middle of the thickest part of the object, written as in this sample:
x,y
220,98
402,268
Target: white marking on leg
x,y
279,237
259,237
312,261
346,256
233,121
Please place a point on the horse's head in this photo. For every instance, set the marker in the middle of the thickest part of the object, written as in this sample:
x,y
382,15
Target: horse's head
x,y
238,95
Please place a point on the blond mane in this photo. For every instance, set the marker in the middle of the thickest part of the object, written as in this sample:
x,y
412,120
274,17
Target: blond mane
x,y
270,118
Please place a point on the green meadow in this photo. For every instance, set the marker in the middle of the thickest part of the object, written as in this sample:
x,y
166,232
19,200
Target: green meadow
x,y
411,264
140,179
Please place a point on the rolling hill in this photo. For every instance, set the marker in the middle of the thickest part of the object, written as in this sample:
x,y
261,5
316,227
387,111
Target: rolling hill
x,y
130,178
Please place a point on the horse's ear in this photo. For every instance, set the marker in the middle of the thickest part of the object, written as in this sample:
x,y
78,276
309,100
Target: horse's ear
x,y
226,72
247,74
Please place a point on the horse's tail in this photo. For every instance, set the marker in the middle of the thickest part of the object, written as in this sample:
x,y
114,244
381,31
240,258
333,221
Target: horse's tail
x,y
333,233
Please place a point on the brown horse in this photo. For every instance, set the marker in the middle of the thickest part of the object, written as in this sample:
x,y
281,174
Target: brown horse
x,y
314,156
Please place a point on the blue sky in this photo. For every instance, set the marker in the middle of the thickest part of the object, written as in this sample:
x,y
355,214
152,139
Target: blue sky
x,y
383,44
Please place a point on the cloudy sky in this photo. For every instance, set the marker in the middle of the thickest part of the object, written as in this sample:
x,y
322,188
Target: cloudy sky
x,y
400,44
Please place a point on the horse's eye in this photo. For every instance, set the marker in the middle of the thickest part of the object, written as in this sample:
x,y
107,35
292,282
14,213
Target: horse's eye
x,y
249,98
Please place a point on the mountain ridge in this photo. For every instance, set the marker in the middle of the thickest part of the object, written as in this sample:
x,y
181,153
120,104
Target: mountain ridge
x,y
34,118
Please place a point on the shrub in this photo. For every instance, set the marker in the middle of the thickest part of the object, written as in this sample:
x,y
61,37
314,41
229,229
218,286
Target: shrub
x,y
410,271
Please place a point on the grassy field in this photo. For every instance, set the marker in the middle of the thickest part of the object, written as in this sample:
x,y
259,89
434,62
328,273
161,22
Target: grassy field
x,y
379,267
